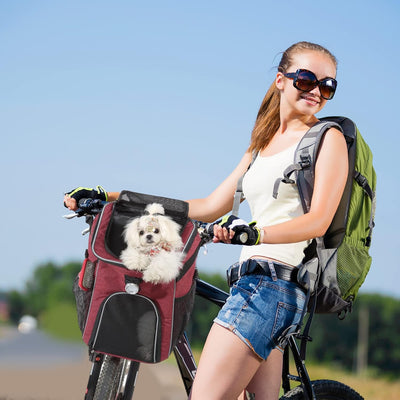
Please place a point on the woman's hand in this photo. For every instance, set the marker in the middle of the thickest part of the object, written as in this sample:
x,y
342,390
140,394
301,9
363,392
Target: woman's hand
x,y
234,230
70,202
222,234
71,199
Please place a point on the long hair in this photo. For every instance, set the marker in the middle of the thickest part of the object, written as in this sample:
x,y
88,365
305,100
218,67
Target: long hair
x,y
268,117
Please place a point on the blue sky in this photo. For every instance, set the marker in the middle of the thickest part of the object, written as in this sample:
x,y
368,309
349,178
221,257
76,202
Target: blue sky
x,y
160,97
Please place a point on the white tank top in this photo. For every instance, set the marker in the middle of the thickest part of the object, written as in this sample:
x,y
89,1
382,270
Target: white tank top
x,y
258,184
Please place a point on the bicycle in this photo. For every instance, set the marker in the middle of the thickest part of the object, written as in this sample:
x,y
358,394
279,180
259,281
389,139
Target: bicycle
x,y
114,378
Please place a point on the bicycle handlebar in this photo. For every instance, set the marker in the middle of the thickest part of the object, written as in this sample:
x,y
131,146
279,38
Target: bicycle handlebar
x,y
91,207
207,232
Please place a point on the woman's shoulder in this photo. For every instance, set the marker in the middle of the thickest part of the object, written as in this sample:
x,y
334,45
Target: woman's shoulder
x,y
334,135
333,142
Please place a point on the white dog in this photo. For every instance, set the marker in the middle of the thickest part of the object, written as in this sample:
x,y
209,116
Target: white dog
x,y
154,246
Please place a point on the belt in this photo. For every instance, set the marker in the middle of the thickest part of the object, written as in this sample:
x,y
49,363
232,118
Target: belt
x,y
259,267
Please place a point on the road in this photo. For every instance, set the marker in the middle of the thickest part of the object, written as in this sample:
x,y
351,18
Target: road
x,y
34,366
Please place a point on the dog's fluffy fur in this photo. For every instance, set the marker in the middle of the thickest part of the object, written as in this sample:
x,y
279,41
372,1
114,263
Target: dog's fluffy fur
x,y
154,246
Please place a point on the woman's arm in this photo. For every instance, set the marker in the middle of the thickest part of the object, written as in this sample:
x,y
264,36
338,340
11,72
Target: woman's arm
x,y
220,201
208,209
112,196
331,171
72,204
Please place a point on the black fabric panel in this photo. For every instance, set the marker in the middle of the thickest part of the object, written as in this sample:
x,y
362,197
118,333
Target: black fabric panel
x,y
329,302
128,326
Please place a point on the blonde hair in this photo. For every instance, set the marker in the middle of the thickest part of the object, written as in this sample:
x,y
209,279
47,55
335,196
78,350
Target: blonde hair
x,y
268,118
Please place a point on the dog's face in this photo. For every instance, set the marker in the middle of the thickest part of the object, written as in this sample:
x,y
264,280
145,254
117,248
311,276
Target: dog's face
x,y
143,232
149,232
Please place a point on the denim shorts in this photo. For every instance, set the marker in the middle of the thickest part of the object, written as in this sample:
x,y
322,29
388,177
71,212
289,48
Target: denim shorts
x,y
259,309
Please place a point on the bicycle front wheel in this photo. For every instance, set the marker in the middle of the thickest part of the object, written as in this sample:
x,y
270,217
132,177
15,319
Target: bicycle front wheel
x,y
325,390
116,379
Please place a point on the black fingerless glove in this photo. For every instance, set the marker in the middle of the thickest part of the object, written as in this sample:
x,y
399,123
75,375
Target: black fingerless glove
x,y
245,234
88,193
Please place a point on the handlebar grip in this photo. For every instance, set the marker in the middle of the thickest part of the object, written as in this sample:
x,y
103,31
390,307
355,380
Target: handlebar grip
x,y
243,237
84,203
207,233
90,206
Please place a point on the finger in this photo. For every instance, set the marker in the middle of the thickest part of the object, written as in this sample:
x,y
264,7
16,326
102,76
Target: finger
x,y
224,237
220,234
227,238
71,203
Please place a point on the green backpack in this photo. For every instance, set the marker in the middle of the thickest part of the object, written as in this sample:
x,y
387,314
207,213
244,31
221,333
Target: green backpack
x,y
335,265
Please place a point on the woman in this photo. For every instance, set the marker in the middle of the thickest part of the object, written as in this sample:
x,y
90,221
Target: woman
x,y
242,350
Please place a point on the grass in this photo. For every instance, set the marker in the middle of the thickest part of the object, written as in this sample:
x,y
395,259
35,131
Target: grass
x,y
369,385
60,321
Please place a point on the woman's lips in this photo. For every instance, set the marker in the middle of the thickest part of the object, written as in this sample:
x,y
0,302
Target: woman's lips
x,y
311,100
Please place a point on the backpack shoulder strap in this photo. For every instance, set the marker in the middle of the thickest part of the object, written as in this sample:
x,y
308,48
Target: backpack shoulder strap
x,y
238,197
304,162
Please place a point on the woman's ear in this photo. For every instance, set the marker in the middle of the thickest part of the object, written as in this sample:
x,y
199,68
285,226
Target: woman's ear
x,y
279,81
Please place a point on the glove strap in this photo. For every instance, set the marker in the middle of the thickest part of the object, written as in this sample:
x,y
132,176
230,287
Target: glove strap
x,y
261,237
100,190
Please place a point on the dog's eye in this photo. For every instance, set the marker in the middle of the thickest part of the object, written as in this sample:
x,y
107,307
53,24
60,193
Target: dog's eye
x,y
141,233
156,230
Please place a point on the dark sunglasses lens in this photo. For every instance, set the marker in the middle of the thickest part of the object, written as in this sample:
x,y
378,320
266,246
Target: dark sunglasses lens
x,y
327,88
306,81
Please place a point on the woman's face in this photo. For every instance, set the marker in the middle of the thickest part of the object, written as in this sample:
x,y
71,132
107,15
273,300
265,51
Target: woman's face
x,y
307,103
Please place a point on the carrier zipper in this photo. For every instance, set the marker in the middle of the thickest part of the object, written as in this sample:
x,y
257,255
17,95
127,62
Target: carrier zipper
x,y
190,240
191,259
119,264
172,319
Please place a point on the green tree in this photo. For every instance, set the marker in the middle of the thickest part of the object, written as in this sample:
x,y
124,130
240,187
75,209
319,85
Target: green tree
x,y
336,341
49,284
17,305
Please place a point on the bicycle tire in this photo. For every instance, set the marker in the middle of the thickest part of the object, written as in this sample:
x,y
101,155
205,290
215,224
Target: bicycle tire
x,y
109,378
325,389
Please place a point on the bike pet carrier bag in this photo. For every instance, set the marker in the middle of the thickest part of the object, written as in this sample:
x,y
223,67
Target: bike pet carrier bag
x,y
118,312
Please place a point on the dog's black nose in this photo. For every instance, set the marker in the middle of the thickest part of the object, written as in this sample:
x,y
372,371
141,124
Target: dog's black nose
x,y
149,238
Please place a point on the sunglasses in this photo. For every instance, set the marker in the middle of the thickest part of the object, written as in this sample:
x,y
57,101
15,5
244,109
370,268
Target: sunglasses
x,y
306,81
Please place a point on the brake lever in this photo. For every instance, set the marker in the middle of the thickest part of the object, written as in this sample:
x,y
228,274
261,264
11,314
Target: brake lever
x,y
70,216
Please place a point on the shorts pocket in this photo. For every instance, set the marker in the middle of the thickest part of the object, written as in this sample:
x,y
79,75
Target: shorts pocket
x,y
287,315
247,285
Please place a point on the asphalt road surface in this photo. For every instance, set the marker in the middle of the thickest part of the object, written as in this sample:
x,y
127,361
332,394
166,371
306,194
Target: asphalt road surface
x,y
34,366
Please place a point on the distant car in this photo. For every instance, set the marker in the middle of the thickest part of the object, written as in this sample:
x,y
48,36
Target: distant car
x,y
27,324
